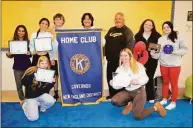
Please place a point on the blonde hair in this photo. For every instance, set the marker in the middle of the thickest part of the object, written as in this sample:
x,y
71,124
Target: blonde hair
x,y
132,62
41,59
33,69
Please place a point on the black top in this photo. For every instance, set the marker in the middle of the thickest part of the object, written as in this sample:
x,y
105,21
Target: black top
x,y
21,61
116,40
40,89
152,39
36,58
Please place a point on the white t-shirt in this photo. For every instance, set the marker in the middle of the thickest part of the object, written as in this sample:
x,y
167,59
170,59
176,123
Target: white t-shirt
x,y
146,35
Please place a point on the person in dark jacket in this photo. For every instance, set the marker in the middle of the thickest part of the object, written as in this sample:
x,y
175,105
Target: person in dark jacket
x,y
117,38
36,92
148,34
21,61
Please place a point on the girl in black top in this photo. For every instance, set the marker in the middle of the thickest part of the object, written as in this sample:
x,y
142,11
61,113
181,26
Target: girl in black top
x,y
36,92
148,34
21,61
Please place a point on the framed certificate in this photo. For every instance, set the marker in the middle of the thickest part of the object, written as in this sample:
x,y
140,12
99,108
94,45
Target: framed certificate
x,y
18,47
45,75
43,44
155,47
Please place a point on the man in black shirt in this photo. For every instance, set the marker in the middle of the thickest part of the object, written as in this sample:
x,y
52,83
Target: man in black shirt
x,y
117,38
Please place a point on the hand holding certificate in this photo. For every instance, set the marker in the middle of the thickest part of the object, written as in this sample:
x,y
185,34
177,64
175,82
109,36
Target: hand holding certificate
x,y
18,47
43,44
44,75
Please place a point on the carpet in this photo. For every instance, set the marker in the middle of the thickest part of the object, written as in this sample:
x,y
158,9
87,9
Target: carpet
x,y
99,115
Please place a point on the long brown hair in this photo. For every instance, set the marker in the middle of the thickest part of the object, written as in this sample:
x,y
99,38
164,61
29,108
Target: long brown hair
x,y
41,20
132,62
16,37
141,30
174,34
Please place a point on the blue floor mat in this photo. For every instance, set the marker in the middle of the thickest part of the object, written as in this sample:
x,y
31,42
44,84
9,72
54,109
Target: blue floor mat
x,y
101,115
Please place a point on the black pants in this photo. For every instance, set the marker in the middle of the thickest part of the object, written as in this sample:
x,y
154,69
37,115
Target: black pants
x,y
111,67
150,89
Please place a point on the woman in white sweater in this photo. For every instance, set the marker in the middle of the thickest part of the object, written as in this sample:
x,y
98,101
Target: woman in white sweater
x,y
44,24
170,55
135,90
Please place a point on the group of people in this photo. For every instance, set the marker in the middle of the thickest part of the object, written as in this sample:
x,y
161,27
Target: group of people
x,y
119,51
119,46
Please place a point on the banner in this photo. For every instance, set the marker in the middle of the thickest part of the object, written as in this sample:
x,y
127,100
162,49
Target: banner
x,y
80,66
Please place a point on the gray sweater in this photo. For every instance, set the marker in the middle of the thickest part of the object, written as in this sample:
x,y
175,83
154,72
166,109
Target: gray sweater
x,y
174,59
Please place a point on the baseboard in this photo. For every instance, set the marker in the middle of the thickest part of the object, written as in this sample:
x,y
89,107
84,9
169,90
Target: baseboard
x,y
12,96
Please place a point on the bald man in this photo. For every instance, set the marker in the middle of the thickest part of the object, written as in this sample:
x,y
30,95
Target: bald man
x,y
117,38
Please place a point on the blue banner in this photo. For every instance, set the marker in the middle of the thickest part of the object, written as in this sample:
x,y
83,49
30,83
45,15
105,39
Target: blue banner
x,y
80,66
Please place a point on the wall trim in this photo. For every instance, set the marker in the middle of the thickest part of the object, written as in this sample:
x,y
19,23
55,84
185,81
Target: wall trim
x,y
172,11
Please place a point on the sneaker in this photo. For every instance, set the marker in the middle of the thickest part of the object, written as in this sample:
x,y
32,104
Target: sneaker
x,y
127,109
151,101
171,106
160,109
163,102
42,110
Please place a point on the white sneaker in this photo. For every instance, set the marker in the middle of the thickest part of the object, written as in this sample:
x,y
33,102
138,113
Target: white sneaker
x,y
151,101
163,102
171,106
42,110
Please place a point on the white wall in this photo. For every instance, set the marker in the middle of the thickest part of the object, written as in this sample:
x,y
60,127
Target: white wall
x,y
8,81
184,28
180,24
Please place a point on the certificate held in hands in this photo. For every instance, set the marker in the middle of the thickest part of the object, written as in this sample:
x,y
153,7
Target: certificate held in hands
x,y
121,80
44,75
43,44
18,47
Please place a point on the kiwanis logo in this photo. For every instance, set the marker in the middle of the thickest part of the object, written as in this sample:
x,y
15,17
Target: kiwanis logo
x,y
79,63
